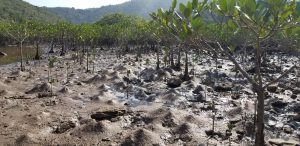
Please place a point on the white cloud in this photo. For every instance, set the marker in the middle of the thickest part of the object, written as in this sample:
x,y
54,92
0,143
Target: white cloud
x,y
79,4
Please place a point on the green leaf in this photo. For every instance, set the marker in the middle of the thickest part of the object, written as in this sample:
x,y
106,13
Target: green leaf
x,y
174,3
182,8
195,4
223,5
196,23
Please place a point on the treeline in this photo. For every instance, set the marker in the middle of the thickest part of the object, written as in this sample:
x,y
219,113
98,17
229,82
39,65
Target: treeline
x,y
112,31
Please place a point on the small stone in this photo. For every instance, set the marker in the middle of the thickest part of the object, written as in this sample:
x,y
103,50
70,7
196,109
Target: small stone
x,y
294,96
174,83
279,104
223,86
296,91
272,88
108,114
287,129
198,89
3,54
280,142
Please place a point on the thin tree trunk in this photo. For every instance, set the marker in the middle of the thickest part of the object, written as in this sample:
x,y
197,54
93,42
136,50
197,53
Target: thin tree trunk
x,y
52,46
157,61
186,69
178,65
37,55
87,60
172,58
21,49
63,51
259,137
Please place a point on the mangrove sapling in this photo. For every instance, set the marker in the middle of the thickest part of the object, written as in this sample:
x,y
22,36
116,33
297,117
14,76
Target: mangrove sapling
x,y
157,58
94,58
127,88
228,133
87,59
68,67
51,62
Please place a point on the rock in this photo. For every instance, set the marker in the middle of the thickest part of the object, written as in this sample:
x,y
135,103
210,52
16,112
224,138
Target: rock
x,y
298,83
296,91
294,107
223,86
279,104
148,74
64,127
198,89
272,88
3,54
140,94
287,129
249,131
282,142
236,96
45,87
108,114
235,120
296,117
248,91
294,96
174,83
198,98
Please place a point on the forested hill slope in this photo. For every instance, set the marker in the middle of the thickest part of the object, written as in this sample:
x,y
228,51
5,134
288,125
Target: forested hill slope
x,y
13,9
140,8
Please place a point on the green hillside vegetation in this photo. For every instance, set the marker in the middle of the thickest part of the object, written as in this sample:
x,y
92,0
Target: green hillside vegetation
x,y
14,9
140,8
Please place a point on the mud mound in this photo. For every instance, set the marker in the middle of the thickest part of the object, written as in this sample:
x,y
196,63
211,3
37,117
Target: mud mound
x,y
45,87
120,85
19,73
116,78
105,94
104,87
120,68
115,73
96,127
3,86
143,137
184,132
172,97
169,120
3,92
96,79
65,90
191,119
25,139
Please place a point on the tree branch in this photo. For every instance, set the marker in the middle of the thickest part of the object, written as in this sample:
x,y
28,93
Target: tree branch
x,y
245,74
280,77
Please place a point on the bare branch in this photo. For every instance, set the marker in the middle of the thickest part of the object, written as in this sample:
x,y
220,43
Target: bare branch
x,y
280,77
237,65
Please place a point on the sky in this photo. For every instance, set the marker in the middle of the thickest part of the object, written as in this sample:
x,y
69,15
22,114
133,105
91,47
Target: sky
x,y
78,4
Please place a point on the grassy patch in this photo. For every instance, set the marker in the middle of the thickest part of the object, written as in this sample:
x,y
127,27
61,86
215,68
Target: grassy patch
x,y
14,54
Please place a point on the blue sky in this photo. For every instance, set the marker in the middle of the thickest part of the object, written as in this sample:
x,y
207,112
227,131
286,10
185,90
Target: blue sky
x,y
79,4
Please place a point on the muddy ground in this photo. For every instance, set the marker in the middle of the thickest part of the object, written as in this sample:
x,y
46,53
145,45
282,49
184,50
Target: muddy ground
x,y
124,102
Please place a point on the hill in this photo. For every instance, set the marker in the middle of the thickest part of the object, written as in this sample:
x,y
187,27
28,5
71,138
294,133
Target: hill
x,y
13,9
140,8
